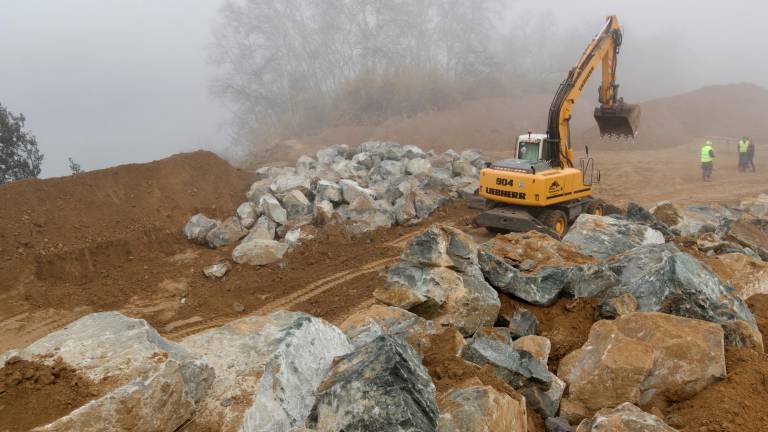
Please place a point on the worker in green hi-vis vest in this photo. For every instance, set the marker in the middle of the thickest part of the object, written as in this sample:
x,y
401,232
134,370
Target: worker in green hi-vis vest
x,y
743,153
707,156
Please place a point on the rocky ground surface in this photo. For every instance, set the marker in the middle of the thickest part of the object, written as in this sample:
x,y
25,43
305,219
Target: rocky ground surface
x,y
646,320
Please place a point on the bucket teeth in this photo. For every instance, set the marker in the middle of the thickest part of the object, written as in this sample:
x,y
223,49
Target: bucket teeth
x,y
618,121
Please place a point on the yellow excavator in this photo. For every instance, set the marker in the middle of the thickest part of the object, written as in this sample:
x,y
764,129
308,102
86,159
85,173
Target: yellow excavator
x,y
541,189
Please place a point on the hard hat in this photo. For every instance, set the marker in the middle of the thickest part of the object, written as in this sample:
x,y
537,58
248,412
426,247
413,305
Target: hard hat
x,y
708,142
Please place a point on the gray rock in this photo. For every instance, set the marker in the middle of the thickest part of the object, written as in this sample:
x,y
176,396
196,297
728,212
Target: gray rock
x,y
405,209
248,212
624,418
748,232
198,227
426,202
591,281
757,207
464,168
297,207
263,229
442,246
292,237
540,288
350,170
413,152
305,165
218,270
273,364
158,383
323,212
546,403
474,157
285,183
465,186
272,172
351,190
664,279
364,159
605,236
259,252
226,233
418,166
388,169
557,424
380,386
614,307
365,214
328,191
273,209
258,189
493,346
522,323
327,156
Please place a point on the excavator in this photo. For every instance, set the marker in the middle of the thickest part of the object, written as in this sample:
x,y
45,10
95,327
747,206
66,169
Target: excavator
x,y
541,189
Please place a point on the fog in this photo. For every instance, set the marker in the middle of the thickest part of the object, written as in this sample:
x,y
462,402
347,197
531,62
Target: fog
x,y
118,81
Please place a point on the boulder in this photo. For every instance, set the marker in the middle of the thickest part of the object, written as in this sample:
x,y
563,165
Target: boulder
x,y
465,187
155,384
757,207
474,157
271,365
624,418
218,270
322,212
381,386
285,183
259,252
426,202
272,172
226,233
273,209
364,215
545,402
530,266
590,281
605,236
364,159
405,209
297,207
388,169
438,274
661,278
305,165
248,212
557,424
413,152
538,346
263,229
418,166
493,346
258,189
740,334
644,358
481,409
747,232
747,275
351,190
327,156
328,191
198,227
366,325
463,168
522,323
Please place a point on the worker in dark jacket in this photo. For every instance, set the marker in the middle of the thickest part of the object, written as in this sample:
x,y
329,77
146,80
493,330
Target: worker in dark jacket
x,y
750,155
707,156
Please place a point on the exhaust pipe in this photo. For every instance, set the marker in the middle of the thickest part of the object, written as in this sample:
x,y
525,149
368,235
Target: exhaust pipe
x,y
621,120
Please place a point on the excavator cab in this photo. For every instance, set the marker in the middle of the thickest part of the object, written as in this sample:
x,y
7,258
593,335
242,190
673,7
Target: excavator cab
x,y
620,120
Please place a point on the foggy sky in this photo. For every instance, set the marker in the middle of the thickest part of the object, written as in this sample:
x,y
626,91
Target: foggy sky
x,y
118,81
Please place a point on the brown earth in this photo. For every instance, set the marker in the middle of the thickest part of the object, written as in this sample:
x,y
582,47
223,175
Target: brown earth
x,y
33,394
566,323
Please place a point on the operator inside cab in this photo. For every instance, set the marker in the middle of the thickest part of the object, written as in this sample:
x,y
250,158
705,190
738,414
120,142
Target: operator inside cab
x,y
529,150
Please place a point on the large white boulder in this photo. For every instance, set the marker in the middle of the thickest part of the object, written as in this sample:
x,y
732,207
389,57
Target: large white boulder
x,y
259,252
268,369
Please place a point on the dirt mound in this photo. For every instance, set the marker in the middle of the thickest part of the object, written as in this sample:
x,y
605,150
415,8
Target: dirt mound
x,y
56,214
737,403
33,394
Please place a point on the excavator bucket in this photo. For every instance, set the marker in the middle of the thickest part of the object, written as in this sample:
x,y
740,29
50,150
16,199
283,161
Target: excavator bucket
x,y
620,120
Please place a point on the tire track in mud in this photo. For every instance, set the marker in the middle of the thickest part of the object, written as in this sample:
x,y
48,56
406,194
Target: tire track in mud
x,y
180,329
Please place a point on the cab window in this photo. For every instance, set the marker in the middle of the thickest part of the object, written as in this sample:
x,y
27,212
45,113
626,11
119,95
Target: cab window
x,y
528,150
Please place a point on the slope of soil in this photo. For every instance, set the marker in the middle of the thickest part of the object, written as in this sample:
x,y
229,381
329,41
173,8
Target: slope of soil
x,y
33,394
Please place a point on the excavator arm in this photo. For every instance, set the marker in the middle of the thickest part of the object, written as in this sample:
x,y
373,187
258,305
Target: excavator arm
x,y
613,116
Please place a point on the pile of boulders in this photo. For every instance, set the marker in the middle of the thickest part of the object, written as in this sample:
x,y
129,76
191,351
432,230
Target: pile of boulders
x,y
664,319
375,185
